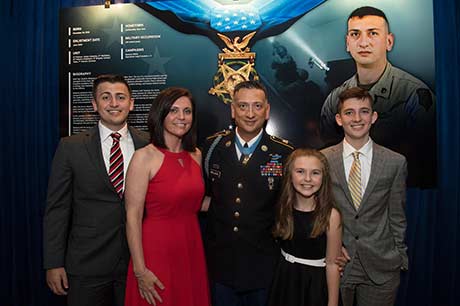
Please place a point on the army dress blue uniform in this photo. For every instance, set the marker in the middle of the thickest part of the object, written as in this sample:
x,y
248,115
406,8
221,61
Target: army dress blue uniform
x,y
240,248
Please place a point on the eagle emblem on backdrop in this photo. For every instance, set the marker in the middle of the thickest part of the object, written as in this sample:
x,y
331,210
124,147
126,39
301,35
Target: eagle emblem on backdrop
x,y
235,65
234,26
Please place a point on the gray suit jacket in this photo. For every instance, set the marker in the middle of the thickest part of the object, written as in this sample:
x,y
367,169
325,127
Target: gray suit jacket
x,y
84,220
376,230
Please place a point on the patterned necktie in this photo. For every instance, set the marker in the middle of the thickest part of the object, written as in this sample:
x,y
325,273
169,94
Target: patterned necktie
x,y
116,164
354,180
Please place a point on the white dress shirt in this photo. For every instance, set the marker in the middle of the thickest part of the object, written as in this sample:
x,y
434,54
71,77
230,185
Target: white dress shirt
x,y
126,145
242,141
365,159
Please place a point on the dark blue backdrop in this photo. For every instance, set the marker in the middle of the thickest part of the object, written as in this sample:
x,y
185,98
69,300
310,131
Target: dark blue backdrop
x,y
29,128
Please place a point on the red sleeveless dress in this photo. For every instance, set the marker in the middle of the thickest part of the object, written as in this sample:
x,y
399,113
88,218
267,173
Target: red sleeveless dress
x,y
171,238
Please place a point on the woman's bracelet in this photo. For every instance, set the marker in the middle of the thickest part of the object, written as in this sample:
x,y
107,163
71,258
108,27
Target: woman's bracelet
x,y
141,274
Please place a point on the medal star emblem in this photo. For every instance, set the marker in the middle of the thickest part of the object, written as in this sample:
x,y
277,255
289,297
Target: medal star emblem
x,y
235,65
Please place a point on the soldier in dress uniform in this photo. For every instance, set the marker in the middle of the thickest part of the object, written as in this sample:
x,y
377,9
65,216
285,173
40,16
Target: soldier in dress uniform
x,y
243,173
405,105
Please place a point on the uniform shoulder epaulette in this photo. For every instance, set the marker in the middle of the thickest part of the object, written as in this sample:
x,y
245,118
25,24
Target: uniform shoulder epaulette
x,y
282,141
221,133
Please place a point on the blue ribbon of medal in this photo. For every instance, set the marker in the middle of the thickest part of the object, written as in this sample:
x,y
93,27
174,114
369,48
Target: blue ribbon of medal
x,y
250,149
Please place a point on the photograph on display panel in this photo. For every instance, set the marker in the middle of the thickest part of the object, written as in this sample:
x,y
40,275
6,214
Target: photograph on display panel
x,y
305,53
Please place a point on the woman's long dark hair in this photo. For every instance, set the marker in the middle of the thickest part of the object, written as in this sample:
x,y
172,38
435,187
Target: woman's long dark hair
x,y
160,109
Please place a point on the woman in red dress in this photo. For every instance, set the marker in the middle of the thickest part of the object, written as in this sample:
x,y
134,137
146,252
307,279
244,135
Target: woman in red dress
x,y
164,190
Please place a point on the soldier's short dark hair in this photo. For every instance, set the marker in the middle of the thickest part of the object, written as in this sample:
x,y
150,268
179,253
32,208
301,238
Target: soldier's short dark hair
x,y
354,93
251,84
362,11
111,78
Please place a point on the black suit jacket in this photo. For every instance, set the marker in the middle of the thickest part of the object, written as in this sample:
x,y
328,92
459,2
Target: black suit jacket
x,y
84,220
241,251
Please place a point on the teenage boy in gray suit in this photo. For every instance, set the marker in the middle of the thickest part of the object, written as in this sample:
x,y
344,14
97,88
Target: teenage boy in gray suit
x,y
369,185
84,241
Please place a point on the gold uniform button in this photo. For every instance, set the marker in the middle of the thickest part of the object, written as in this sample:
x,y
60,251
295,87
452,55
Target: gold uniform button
x,y
237,200
235,229
240,186
236,214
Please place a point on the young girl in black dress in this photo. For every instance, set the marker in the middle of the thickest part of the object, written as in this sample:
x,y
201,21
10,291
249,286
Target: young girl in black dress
x,y
308,227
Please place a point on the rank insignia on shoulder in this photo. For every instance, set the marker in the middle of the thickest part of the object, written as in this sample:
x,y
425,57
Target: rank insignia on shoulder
x,y
221,133
281,141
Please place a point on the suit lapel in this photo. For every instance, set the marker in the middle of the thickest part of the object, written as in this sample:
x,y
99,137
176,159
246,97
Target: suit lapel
x,y
336,165
138,139
224,155
258,153
377,166
229,151
93,145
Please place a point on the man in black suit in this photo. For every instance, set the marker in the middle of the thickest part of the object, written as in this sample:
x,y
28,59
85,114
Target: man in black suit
x,y
243,171
85,249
